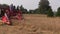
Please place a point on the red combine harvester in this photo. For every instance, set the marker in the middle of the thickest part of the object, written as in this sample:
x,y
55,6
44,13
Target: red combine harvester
x,y
9,12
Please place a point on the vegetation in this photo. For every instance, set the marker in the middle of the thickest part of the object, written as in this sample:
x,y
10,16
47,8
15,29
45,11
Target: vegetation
x,y
24,11
58,12
43,6
50,13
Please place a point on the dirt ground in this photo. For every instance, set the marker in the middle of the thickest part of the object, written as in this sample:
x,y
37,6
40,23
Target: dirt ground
x,y
33,24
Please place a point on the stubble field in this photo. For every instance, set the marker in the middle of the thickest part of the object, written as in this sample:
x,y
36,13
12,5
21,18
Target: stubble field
x,y
33,24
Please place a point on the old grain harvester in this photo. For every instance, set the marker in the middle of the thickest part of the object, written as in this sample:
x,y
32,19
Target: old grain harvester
x,y
9,12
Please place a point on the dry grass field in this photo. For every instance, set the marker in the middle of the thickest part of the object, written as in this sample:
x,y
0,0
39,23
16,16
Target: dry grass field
x,y
33,24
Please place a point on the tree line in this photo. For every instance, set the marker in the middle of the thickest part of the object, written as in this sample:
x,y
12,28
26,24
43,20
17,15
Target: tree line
x,y
43,8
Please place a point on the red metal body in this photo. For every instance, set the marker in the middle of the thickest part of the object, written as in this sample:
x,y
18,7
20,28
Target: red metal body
x,y
10,13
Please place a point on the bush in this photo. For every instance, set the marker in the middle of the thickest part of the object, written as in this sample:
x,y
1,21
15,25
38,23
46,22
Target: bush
x,y
58,12
50,13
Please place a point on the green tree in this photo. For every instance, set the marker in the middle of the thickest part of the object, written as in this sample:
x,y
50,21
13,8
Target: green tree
x,y
43,6
50,13
31,11
22,8
36,11
58,12
24,11
18,7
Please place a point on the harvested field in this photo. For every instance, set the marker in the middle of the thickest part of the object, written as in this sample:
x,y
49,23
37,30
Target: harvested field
x,y
33,24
